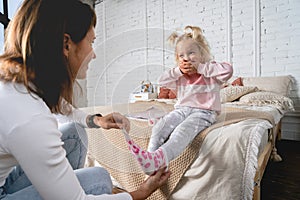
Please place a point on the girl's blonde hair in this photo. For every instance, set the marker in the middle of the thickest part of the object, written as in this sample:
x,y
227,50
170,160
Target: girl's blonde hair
x,y
195,33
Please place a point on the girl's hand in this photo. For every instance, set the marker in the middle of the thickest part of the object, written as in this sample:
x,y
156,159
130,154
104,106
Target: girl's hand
x,y
113,120
187,68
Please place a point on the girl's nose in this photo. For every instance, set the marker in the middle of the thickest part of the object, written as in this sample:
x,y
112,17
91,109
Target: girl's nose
x,y
185,58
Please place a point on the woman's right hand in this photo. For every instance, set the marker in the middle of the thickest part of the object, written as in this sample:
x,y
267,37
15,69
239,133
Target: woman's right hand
x,y
152,183
113,120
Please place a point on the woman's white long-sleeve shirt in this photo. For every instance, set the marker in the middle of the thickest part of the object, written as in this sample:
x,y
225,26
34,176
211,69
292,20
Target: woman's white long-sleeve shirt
x,y
29,137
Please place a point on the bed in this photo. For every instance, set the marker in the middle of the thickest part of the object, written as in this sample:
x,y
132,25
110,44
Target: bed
x,y
227,160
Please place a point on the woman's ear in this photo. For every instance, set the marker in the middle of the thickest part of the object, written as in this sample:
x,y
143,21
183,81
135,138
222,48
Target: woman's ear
x,y
67,43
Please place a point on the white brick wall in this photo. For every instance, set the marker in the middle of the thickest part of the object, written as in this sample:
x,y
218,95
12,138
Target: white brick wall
x,y
131,40
280,39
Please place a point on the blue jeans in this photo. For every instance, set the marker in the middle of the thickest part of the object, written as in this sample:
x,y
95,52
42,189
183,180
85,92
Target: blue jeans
x,y
18,186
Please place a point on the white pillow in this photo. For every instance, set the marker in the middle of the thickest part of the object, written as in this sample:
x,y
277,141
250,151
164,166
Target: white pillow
x,y
268,98
231,93
278,84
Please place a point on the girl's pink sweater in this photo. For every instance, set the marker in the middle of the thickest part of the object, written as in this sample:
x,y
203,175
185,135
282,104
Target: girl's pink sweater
x,y
200,90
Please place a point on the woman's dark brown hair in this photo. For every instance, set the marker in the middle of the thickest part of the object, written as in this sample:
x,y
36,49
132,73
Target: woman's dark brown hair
x,y
33,48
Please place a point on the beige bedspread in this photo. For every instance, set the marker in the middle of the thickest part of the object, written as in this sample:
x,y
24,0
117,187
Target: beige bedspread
x,y
220,171
225,165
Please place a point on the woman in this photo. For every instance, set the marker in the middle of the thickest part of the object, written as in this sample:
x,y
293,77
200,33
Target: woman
x,y
48,44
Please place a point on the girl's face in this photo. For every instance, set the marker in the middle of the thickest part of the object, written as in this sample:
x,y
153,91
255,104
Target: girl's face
x,y
188,51
81,54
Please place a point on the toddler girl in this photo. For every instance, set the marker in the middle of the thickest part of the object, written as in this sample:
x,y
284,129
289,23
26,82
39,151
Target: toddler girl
x,y
196,80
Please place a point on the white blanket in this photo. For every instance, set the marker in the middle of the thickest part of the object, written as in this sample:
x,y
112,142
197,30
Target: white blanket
x,y
226,164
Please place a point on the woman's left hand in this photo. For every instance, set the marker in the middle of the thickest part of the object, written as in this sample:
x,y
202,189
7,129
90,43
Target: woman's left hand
x,y
113,120
152,183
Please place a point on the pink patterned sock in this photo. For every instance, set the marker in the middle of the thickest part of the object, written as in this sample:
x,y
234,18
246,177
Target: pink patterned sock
x,y
149,161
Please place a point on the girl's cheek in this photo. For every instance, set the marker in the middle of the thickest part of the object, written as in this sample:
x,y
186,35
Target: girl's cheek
x,y
193,57
180,59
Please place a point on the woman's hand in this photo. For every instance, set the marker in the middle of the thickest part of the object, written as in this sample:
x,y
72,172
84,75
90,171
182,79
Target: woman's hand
x,y
187,68
151,184
113,120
